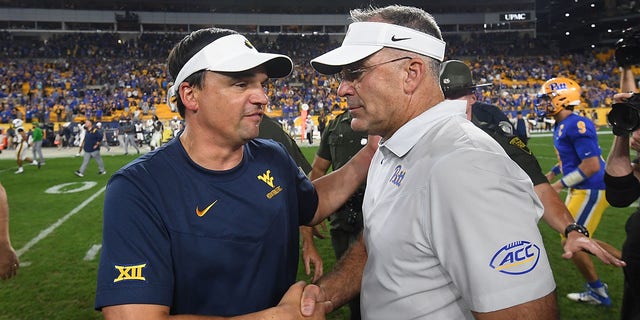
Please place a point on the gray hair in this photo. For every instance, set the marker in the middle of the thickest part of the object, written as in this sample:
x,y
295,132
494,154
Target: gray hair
x,y
410,17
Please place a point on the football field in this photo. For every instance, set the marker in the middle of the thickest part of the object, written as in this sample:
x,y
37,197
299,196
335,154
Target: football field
x,y
56,226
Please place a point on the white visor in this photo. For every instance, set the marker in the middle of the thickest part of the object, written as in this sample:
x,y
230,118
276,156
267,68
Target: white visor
x,y
232,53
366,38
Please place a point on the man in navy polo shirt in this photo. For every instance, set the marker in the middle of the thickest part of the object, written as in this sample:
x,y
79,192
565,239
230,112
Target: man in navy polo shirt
x,y
208,223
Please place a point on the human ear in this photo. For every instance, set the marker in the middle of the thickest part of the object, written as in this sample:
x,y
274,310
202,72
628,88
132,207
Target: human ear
x,y
188,96
415,73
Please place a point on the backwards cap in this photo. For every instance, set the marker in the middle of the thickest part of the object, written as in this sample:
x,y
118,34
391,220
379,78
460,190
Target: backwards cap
x,y
232,53
366,38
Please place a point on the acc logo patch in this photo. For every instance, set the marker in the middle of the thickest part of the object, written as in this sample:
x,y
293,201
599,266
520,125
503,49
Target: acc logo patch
x,y
516,258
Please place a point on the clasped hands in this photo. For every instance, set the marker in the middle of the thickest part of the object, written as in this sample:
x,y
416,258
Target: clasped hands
x,y
303,301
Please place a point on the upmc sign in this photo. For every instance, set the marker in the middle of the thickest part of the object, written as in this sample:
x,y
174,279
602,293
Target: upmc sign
x,y
516,16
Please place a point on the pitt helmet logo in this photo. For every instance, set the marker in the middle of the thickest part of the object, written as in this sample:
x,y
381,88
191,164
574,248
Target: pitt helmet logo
x,y
516,258
398,175
201,213
266,178
130,273
557,86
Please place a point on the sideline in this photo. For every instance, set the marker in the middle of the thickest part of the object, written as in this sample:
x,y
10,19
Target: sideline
x,y
550,133
54,152
44,233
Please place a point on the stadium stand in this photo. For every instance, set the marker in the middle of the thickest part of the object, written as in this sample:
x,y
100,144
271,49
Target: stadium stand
x,y
62,76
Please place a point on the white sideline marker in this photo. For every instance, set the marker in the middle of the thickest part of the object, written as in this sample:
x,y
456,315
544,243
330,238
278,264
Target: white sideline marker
x,y
58,223
93,251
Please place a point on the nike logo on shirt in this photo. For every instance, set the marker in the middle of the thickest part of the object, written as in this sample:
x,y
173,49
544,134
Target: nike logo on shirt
x,y
203,212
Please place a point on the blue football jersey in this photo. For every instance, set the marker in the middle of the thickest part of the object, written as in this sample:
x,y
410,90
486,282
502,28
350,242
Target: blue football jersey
x,y
575,139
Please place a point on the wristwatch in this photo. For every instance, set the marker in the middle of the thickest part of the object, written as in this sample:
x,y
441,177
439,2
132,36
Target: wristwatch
x,y
576,227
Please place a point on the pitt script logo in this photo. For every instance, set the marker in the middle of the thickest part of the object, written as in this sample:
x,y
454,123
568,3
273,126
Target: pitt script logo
x,y
130,273
398,175
268,179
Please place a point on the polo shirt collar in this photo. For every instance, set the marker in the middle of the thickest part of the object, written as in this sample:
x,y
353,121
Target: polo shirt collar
x,y
410,133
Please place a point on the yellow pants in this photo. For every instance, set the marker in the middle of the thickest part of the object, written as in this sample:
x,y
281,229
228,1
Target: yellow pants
x,y
586,207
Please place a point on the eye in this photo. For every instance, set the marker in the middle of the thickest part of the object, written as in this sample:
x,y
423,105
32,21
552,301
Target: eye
x,y
241,84
351,74
348,73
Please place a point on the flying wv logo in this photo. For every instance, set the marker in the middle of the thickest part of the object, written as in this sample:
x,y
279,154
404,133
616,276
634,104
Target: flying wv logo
x,y
398,175
266,178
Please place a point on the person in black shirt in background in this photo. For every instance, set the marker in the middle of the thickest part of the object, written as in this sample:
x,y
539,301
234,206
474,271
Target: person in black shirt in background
x,y
622,174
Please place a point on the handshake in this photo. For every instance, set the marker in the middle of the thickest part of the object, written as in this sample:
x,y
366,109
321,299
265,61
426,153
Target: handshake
x,y
302,301
628,48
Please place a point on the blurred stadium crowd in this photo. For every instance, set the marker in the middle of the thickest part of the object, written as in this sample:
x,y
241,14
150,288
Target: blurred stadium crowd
x,y
70,77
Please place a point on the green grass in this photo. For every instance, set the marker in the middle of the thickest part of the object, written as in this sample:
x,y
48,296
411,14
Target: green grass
x,y
58,283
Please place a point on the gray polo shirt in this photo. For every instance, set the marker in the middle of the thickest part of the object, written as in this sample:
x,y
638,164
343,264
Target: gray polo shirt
x,y
450,224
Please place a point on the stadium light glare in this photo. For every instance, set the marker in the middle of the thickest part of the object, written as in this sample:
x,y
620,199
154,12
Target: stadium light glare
x,y
567,14
567,33
593,25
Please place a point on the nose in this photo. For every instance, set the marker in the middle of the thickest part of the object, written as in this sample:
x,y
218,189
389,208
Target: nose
x,y
346,88
259,97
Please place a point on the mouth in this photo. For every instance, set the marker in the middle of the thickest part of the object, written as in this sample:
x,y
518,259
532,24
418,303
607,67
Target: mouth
x,y
355,108
256,114
354,104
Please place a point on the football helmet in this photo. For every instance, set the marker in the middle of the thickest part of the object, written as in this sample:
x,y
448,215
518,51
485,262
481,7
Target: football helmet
x,y
560,93
17,123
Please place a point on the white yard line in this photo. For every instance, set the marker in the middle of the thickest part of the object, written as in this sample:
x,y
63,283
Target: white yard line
x,y
93,251
58,223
